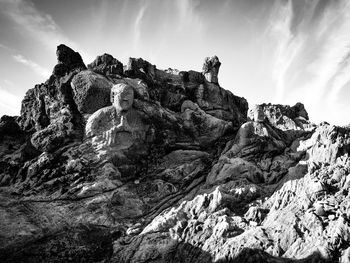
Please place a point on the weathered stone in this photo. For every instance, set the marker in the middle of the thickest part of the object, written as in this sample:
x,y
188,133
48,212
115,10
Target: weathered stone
x,y
68,60
181,166
140,87
106,65
256,214
327,143
137,67
281,116
9,126
211,68
221,103
257,113
204,127
91,91
83,243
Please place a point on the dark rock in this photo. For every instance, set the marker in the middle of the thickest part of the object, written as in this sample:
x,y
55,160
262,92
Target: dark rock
x,y
211,68
50,112
300,111
79,244
34,115
9,126
137,67
106,65
91,91
68,60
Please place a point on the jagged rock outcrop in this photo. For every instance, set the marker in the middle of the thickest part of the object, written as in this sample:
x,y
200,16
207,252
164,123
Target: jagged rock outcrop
x,y
51,115
107,65
138,164
211,69
68,60
281,116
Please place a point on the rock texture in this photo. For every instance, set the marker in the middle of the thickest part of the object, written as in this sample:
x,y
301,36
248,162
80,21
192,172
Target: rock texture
x,y
135,164
91,91
211,69
107,65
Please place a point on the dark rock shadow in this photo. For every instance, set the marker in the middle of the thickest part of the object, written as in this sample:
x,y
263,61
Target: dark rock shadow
x,y
84,243
188,253
95,244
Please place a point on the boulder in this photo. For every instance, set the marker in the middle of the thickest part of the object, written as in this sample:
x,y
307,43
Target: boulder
x,y
91,91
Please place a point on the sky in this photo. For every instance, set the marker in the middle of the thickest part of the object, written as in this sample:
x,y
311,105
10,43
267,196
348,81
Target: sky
x,y
278,51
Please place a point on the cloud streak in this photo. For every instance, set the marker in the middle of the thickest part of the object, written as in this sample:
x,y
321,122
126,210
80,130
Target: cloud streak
x,y
38,25
34,66
138,23
339,50
287,45
187,15
312,53
6,47
9,103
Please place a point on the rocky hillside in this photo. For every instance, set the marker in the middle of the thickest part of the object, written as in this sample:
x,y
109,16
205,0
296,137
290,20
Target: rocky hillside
x,y
129,163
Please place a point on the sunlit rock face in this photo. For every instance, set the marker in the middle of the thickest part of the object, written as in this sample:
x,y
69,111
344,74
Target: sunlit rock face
x,y
136,164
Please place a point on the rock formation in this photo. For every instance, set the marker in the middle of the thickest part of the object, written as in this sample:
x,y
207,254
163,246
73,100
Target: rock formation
x,y
211,68
130,163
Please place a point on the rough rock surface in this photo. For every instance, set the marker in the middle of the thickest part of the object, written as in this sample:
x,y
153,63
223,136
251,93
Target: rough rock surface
x,y
211,68
91,91
138,164
68,60
107,65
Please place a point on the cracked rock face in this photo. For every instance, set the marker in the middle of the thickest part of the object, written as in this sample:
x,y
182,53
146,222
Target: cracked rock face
x,y
138,164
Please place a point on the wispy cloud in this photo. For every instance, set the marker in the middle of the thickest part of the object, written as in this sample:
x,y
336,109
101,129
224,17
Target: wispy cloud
x,y
38,25
138,23
6,47
287,45
9,103
188,17
9,82
338,51
34,66
312,51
